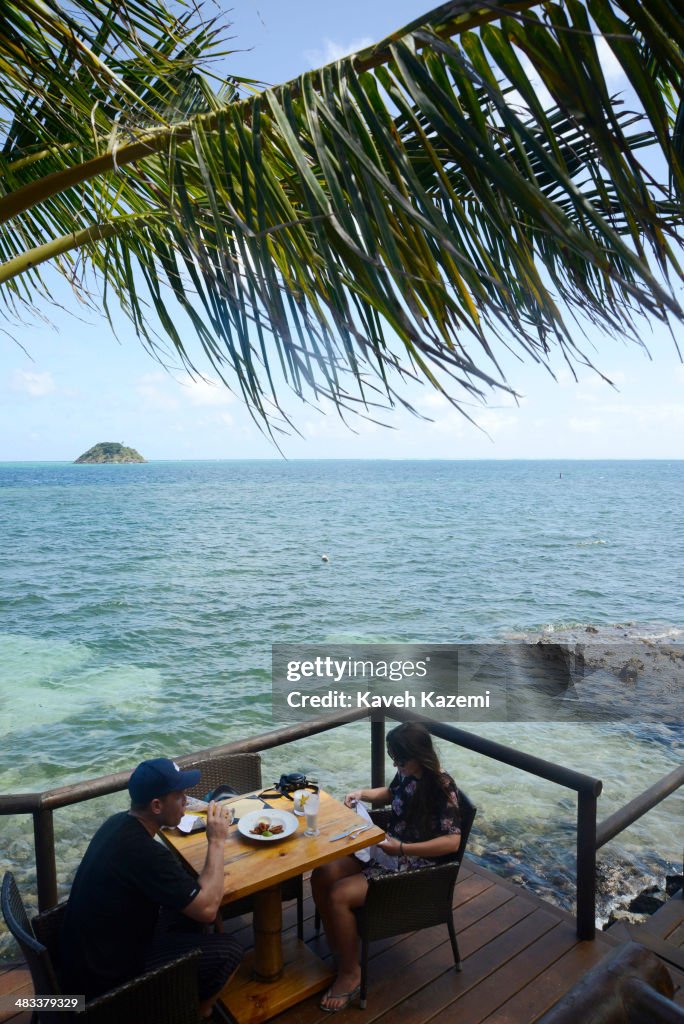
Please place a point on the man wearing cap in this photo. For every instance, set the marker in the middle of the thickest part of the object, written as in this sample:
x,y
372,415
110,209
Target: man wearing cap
x,y
112,930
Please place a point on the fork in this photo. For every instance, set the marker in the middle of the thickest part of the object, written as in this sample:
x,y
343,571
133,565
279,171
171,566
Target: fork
x,y
357,831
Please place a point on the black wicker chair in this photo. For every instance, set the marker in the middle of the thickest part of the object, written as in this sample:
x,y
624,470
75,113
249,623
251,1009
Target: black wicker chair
x,y
243,773
240,771
167,994
410,900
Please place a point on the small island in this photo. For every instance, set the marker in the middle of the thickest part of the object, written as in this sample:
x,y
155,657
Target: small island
x,y
109,451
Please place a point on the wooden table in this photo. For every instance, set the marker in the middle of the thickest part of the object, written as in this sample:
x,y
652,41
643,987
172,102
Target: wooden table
x,y
274,977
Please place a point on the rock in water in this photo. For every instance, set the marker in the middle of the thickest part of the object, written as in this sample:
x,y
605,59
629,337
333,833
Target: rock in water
x,y
110,451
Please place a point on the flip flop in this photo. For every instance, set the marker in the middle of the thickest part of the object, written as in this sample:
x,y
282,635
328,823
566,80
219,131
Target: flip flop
x,y
348,998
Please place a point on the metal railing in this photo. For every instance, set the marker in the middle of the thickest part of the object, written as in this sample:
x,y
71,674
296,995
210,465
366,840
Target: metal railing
x,y
625,816
590,836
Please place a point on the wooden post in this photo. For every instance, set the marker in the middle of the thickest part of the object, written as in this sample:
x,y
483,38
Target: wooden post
x,y
268,923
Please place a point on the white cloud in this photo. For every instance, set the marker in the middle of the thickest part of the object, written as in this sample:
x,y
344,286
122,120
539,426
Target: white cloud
x,y
585,426
645,414
35,384
435,401
594,390
331,427
665,414
164,392
451,424
496,422
208,392
152,388
564,378
335,51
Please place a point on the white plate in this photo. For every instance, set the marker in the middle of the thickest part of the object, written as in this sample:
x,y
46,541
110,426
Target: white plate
x,y
284,818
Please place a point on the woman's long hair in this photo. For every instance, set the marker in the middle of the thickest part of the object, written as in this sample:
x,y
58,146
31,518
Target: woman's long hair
x,y
411,741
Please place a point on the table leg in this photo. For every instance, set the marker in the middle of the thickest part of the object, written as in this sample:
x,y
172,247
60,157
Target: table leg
x,y
268,926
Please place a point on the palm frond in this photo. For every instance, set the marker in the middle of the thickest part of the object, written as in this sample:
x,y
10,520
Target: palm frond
x,y
408,211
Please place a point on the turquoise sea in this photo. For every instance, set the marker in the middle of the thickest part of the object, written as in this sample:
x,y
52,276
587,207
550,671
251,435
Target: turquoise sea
x,y
138,605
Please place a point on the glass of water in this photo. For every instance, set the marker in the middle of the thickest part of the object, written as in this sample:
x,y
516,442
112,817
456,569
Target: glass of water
x,y
311,812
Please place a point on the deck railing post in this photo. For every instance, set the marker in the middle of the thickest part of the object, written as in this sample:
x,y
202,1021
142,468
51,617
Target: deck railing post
x,y
378,752
46,865
586,864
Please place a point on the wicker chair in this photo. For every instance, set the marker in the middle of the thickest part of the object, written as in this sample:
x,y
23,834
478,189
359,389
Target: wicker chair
x,y
410,900
240,771
168,993
243,773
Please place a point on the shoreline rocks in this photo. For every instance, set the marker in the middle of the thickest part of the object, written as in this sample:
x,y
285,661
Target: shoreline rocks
x,y
645,903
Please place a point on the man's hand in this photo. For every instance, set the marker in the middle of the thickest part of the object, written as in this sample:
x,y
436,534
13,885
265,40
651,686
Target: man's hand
x,y
205,905
219,818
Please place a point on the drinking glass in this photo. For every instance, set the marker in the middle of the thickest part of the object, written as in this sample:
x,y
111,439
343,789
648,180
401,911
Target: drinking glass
x,y
311,811
228,812
299,797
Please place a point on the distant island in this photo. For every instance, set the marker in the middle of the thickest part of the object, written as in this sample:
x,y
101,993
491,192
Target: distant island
x,y
110,451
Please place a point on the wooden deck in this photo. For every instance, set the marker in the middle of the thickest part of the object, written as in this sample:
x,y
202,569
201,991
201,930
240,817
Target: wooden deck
x,y
663,933
520,955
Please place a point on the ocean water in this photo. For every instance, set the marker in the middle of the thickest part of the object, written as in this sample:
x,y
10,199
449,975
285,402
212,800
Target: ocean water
x,y
138,605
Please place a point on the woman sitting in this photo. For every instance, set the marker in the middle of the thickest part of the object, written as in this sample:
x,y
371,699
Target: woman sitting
x,y
424,829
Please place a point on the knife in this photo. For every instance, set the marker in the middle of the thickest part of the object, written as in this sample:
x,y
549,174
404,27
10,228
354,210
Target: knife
x,y
348,831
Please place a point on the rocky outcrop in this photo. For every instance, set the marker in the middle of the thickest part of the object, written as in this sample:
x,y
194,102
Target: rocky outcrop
x,y
110,451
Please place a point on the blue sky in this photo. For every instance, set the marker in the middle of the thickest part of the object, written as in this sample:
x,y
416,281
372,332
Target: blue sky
x,y
71,383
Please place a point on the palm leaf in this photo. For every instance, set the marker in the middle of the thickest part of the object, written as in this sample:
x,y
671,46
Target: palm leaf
x,y
408,211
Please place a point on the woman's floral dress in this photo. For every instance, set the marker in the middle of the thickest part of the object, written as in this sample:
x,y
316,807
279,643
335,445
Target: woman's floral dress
x,y
446,820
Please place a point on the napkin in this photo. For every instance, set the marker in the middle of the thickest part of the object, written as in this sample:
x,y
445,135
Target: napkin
x,y
191,823
364,855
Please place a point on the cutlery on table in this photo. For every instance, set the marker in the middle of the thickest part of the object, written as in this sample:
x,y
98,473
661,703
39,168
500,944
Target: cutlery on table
x,y
349,832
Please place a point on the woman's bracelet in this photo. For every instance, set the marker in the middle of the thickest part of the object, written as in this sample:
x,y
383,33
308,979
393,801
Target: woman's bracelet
x,y
401,849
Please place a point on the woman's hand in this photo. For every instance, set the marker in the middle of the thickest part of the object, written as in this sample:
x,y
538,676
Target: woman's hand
x,y
391,846
353,798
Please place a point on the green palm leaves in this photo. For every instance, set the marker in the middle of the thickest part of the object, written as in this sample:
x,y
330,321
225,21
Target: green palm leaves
x,y
408,211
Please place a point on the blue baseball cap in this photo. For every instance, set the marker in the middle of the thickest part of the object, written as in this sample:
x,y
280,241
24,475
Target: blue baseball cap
x,y
158,777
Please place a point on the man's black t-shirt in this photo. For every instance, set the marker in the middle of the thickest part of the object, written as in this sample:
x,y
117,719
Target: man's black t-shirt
x,y
124,878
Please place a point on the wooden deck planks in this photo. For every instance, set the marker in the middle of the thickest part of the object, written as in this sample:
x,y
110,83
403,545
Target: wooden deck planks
x,y
543,991
15,981
433,987
668,922
520,955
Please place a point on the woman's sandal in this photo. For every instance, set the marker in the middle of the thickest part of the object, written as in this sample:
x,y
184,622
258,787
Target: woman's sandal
x,y
348,998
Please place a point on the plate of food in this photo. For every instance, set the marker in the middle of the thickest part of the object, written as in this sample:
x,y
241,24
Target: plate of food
x,y
267,826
